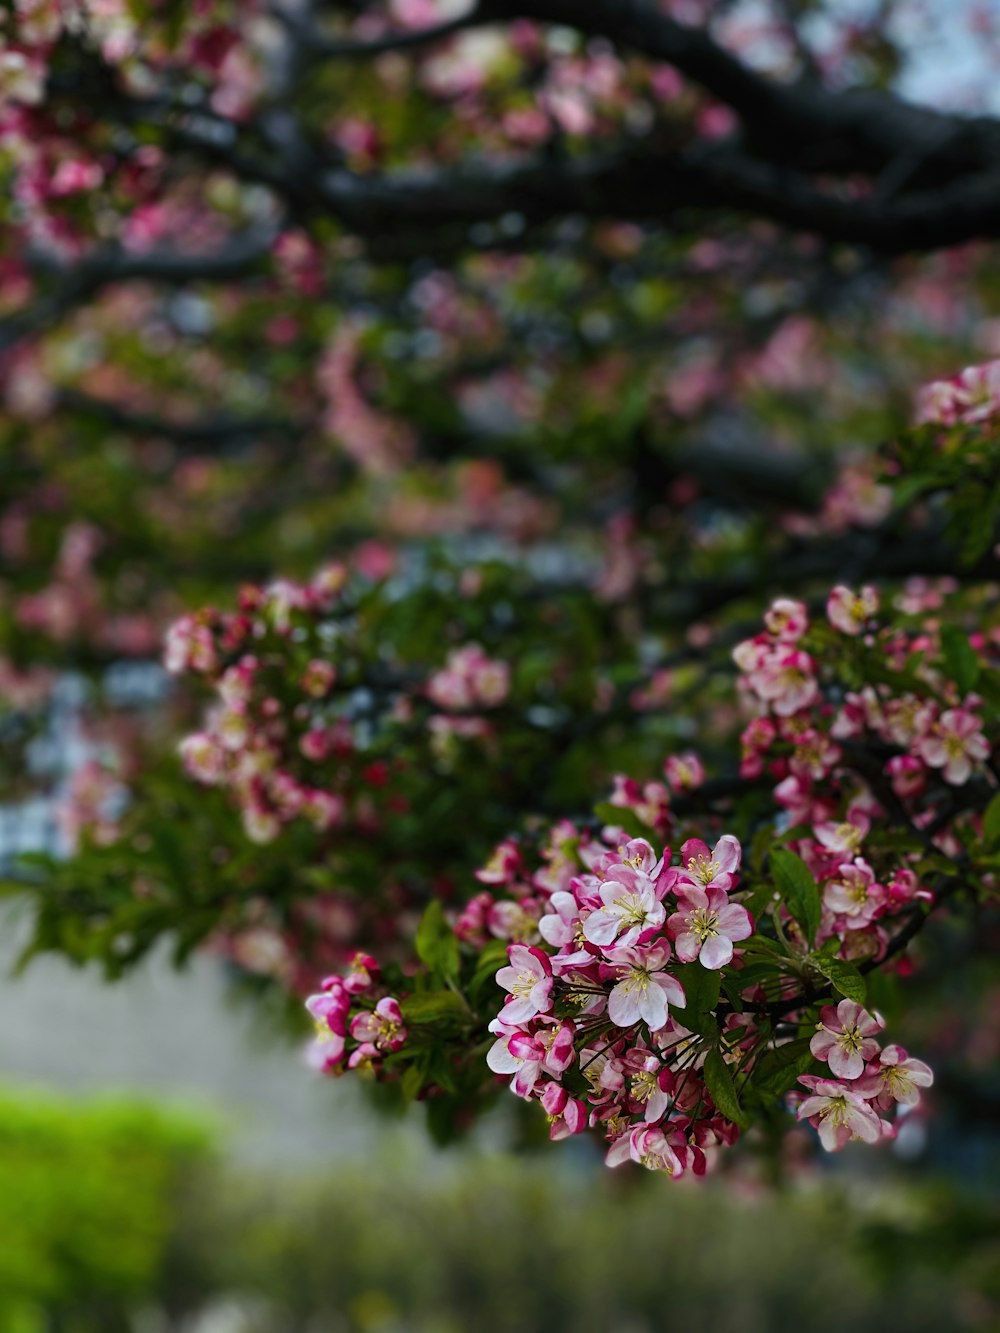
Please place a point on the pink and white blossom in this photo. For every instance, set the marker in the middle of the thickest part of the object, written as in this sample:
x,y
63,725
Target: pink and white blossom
x,y
528,980
707,926
854,893
851,611
630,909
704,869
383,1027
786,619
644,989
647,1145
894,1077
846,1038
954,744
839,1113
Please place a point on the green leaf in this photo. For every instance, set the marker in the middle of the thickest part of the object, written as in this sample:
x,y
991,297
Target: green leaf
x,y
799,890
762,945
722,1090
991,822
432,1007
749,975
988,685
701,988
436,943
906,489
12,887
844,977
960,657
491,959
412,1082
696,1020
778,1068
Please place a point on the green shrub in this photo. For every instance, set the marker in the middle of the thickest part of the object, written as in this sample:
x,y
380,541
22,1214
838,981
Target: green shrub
x,y
88,1198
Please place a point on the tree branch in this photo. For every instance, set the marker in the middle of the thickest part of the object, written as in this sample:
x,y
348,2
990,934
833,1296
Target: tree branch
x,y
862,129
79,282
218,430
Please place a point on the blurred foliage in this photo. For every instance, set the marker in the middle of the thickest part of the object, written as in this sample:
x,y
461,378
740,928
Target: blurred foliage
x,y
88,1198
116,1218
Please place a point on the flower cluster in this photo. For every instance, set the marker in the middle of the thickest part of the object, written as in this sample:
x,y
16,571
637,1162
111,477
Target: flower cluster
x,y
589,1026
257,741
291,734
971,396
921,719
469,679
357,1023
839,756
866,1079
510,907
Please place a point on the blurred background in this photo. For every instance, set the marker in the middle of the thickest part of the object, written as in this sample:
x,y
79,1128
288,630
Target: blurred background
x,y
229,354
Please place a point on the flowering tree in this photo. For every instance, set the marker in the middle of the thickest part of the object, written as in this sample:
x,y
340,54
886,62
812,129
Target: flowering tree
x,y
584,636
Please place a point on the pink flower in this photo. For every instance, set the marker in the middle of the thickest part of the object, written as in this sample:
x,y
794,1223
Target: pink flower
x,y
362,974
903,888
650,1082
329,1014
203,757
189,646
787,620
785,679
954,743
704,869
503,866
648,1146
325,1053
329,1011
849,611
972,395
567,1115
468,679
630,908
906,718
814,755
845,1038
756,740
907,775
895,1078
560,924
318,678
845,837
383,1029
839,1113
260,825
644,989
528,1055
707,926
528,981
684,771
854,893
509,920
649,800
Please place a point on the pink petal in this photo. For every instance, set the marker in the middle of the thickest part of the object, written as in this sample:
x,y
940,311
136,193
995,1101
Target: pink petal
x,y
715,952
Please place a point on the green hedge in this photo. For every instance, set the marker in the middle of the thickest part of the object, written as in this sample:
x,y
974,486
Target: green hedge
x,y
501,1245
107,1209
89,1198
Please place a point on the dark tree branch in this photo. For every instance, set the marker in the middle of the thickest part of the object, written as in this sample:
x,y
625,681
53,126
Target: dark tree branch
x,y
654,185
215,431
75,284
862,129
932,180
